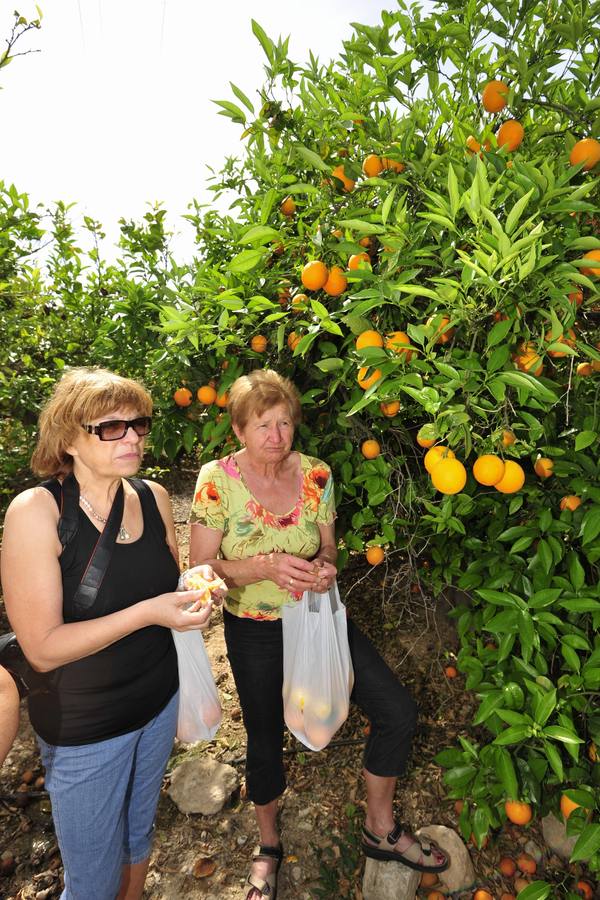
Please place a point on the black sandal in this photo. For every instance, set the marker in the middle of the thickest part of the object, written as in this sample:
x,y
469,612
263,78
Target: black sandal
x,y
384,849
266,886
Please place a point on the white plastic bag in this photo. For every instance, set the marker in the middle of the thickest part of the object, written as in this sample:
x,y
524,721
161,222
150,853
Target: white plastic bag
x,y
317,667
199,707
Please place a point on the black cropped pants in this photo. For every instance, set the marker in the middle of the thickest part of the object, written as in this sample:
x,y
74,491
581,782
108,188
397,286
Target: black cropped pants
x,y
255,651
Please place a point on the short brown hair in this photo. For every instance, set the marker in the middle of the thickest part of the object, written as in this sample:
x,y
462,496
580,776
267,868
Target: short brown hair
x,y
257,392
81,396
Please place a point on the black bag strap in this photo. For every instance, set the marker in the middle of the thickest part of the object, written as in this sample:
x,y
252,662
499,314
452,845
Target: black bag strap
x,y
90,584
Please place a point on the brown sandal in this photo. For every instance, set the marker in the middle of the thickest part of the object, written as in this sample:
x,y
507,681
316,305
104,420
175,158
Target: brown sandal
x,y
384,849
267,887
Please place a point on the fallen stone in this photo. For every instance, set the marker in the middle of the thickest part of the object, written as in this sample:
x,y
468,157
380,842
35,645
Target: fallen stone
x,y
389,881
460,875
534,851
202,786
555,835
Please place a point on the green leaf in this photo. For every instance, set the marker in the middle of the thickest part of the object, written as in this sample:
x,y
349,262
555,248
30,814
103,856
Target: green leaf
x,y
590,526
453,191
514,215
585,439
513,735
499,332
558,733
246,261
554,758
588,843
576,570
544,706
310,157
241,96
232,111
265,42
506,771
537,890
259,234
387,205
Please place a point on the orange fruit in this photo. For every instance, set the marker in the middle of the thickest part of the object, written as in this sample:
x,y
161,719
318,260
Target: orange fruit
x,y
397,341
435,895
508,437
441,336
183,396
435,455
482,895
372,165
570,342
365,382
521,883
375,555
586,151
390,408
473,145
507,866
314,275
450,672
543,467
571,502
222,400
356,259
585,889
337,232
584,369
567,806
288,207
595,269
299,301
517,812
428,879
592,752
365,242
259,343
576,297
507,896
206,394
449,476
369,338
392,164
513,478
426,436
336,282
488,469
510,134
527,359
293,340
458,806
494,96
526,864
338,172
370,449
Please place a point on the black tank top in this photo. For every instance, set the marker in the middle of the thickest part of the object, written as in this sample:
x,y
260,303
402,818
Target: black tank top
x,y
122,687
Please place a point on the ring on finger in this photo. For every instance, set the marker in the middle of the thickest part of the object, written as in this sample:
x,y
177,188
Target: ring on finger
x,y
291,582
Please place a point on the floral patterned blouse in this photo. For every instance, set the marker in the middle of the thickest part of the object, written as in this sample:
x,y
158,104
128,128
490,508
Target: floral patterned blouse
x,y
223,501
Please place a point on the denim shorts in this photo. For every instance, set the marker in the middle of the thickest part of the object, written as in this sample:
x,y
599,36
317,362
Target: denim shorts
x,y
104,798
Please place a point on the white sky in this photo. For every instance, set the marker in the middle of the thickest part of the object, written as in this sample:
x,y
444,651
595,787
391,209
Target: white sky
x,y
116,109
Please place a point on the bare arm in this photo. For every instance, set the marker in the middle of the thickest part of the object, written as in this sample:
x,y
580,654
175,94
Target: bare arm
x,y
277,567
163,501
32,584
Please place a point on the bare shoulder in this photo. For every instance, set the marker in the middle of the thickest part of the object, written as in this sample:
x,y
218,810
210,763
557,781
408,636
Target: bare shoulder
x,y
161,495
33,502
31,519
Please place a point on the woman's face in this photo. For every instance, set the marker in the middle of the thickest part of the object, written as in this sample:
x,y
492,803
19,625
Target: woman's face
x,y
120,458
268,437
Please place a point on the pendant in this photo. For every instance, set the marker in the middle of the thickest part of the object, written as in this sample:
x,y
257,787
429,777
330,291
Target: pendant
x,y
123,534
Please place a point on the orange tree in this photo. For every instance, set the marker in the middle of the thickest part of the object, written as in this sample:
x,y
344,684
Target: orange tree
x,y
479,249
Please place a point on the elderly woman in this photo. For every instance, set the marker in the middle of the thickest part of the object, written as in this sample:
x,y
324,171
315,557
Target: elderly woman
x,y
263,518
105,701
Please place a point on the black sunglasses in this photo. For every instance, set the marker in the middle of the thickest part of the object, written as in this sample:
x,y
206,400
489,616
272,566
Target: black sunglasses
x,y
115,429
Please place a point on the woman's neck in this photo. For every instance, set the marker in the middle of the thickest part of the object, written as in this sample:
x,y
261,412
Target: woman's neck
x,y
261,469
98,490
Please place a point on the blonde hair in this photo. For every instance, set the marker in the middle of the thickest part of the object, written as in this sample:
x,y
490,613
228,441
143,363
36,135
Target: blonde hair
x,y
257,392
81,395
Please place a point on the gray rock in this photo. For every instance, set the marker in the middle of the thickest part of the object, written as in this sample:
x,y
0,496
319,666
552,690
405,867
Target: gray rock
x,y
202,786
460,875
534,851
555,835
296,873
389,881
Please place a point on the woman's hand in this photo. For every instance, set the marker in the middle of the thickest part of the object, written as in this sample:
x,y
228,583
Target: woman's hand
x,y
208,574
181,610
326,575
291,573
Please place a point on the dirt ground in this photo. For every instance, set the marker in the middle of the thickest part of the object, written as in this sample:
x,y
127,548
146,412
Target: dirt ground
x,y
208,857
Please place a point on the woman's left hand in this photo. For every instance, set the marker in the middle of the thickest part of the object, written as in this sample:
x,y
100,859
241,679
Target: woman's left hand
x,y
325,576
209,575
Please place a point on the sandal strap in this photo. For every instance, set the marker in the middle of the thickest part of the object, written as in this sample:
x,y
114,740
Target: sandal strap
x,y
264,851
260,884
374,838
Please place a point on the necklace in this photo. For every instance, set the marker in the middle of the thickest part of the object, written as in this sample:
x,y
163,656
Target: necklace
x,y
123,533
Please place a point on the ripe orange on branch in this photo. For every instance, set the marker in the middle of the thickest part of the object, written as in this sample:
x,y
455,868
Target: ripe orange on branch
x,y
348,183
488,469
513,478
375,555
528,360
314,275
390,408
372,165
517,812
569,341
370,449
182,396
288,207
293,340
207,394
494,96
595,268
259,343
398,342
369,338
356,259
543,467
392,164
473,145
336,282
449,476
222,400
571,502
443,334
435,455
366,382
510,135
586,151
426,436
584,370
508,437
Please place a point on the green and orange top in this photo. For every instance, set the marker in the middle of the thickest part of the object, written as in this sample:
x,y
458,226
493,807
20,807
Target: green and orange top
x,y
223,501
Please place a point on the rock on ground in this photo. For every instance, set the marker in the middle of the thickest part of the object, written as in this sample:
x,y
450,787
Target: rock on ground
x,y
202,785
555,835
389,881
460,875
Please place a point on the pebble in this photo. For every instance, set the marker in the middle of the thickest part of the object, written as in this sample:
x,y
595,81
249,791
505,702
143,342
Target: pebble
x,y
241,840
532,848
296,873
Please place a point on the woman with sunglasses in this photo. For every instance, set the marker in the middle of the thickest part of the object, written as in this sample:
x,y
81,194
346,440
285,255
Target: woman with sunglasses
x,y
104,707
